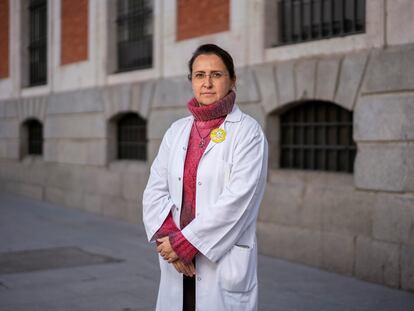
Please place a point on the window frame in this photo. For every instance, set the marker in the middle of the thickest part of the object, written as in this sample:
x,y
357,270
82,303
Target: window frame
x,y
126,18
126,123
323,32
37,42
327,146
34,138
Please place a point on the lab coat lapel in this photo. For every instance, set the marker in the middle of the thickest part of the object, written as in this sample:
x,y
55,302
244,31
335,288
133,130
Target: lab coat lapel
x,y
233,116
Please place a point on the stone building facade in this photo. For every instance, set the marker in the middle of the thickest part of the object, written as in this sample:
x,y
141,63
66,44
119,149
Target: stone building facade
x,y
358,223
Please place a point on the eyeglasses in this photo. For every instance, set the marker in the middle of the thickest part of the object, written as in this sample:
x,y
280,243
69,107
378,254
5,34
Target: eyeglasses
x,y
201,76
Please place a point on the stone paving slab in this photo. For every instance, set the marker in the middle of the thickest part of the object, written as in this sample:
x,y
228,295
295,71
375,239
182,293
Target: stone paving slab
x,y
131,285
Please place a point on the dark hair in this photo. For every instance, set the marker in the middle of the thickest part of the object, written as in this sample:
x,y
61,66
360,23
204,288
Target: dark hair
x,y
216,50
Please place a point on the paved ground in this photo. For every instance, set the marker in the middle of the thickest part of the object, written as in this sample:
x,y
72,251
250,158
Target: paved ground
x,y
131,284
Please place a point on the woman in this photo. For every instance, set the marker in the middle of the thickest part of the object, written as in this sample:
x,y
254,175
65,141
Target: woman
x,y
203,195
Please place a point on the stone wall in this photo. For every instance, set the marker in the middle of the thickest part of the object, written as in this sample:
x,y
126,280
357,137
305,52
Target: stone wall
x,y
359,224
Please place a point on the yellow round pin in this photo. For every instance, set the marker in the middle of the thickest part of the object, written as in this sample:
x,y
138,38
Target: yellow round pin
x,y
218,135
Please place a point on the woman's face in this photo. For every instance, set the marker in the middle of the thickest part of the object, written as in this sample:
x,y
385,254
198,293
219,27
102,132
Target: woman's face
x,y
210,79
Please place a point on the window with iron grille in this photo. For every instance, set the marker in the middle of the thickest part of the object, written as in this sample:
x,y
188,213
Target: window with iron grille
x,y
37,42
306,20
132,137
34,137
134,28
317,135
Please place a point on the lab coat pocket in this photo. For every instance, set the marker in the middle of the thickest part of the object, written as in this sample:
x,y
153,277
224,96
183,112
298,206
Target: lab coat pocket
x,y
237,270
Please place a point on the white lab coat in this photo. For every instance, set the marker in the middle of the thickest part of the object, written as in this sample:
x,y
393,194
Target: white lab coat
x,y
231,180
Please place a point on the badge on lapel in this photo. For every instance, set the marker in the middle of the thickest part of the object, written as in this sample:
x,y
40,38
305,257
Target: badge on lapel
x,y
218,135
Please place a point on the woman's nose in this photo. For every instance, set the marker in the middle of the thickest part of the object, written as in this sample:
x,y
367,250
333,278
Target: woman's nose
x,y
207,82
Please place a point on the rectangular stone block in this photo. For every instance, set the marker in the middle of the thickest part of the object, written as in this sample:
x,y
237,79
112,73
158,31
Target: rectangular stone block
x,y
109,183
73,199
13,149
92,203
90,177
345,211
384,118
407,268
284,204
71,177
400,15
265,76
388,70
75,126
152,150
33,106
393,218
8,108
3,148
8,169
141,97
134,212
80,101
350,76
11,108
338,252
326,76
285,82
318,201
377,261
160,120
386,167
247,90
33,170
133,183
291,243
172,92
71,151
116,98
3,108
9,128
305,72
255,111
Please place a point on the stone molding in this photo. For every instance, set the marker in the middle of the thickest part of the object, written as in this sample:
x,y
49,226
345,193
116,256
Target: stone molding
x,y
32,107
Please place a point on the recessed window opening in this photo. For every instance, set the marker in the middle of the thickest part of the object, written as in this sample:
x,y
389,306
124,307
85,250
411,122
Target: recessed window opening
x,y
317,135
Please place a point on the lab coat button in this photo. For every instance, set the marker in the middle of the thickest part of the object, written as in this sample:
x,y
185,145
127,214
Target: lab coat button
x,y
199,183
179,178
198,279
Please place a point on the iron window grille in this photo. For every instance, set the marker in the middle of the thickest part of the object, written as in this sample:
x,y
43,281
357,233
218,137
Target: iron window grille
x,y
134,27
35,137
37,42
307,20
132,137
317,136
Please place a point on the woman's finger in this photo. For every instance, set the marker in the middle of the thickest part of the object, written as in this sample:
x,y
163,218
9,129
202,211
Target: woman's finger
x,y
162,239
192,269
178,266
160,248
187,270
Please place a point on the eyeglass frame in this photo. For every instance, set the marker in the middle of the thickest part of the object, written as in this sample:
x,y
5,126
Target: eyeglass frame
x,y
190,76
